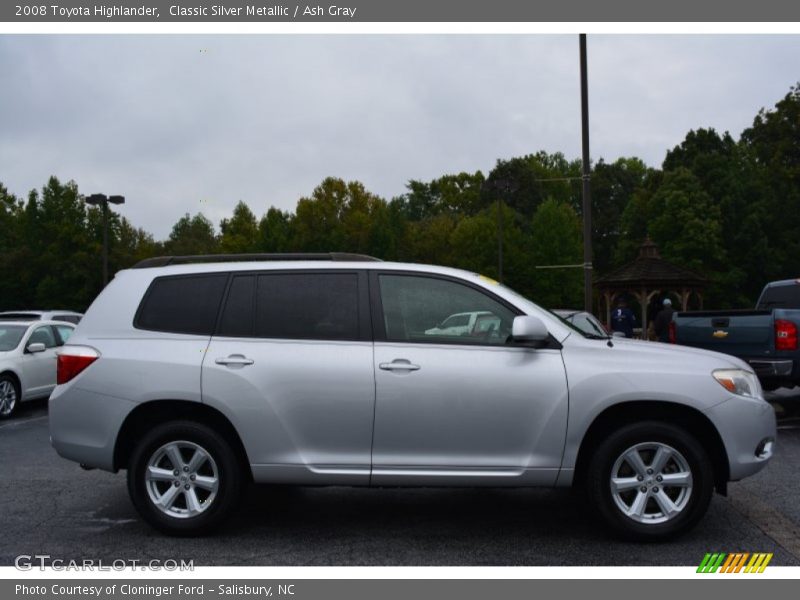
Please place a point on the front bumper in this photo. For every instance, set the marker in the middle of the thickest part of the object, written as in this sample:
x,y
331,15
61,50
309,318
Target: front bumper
x,y
747,428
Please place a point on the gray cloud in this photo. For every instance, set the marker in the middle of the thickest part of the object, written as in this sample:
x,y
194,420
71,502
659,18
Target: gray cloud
x,y
195,123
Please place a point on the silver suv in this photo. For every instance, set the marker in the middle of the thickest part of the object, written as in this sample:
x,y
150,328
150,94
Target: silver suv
x,y
198,377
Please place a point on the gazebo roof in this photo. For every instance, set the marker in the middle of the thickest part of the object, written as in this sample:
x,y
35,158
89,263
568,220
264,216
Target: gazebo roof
x,y
650,270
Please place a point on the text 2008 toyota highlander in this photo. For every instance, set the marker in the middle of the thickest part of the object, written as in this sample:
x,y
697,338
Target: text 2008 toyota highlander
x,y
197,376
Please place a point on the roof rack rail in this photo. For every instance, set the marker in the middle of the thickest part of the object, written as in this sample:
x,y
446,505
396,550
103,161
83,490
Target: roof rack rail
x,y
163,261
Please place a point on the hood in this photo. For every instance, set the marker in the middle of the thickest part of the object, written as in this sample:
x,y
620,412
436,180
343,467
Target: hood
x,y
675,353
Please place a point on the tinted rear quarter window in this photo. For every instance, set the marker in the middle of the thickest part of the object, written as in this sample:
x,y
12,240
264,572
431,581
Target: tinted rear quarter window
x,y
67,318
182,304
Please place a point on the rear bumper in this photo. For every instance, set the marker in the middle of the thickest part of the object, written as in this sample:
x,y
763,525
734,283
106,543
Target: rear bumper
x,y
747,428
84,425
767,368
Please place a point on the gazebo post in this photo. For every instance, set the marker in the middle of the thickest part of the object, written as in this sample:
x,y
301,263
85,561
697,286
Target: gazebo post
x,y
643,302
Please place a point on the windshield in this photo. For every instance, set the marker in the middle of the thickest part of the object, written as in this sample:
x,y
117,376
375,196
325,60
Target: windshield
x,y
591,331
10,336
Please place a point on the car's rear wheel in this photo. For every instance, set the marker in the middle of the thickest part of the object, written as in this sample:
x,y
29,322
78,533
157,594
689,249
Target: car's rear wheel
x,y
184,478
9,396
650,480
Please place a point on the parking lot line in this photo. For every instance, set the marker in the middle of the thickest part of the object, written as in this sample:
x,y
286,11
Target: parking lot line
x,y
18,422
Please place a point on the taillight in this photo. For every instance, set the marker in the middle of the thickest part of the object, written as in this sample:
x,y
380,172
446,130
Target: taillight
x,y
785,335
673,334
72,360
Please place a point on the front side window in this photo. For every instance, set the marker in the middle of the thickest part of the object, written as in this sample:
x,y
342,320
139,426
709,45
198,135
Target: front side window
x,y
182,304
427,309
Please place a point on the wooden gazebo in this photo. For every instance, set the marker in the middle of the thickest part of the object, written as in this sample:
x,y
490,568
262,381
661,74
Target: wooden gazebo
x,y
646,278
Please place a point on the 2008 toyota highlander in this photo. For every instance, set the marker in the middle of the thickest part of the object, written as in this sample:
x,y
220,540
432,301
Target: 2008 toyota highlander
x,y
196,376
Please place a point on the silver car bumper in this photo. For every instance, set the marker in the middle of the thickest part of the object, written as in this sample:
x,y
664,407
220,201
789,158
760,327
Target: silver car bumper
x,y
84,425
748,429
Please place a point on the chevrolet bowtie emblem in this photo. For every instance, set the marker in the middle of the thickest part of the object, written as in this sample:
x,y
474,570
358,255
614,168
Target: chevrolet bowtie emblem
x,y
720,334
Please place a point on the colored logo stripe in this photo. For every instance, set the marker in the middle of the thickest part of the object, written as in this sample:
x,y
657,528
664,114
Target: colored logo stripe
x,y
734,563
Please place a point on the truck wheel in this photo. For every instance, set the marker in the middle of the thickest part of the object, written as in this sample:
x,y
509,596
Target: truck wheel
x,y
650,481
184,478
9,396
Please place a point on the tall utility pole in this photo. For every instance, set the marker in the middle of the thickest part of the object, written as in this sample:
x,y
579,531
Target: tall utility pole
x,y
587,193
102,200
499,240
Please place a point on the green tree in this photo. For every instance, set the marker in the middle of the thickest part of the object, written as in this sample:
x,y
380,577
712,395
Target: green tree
x,y
773,143
687,224
344,217
556,239
454,194
525,182
239,234
613,186
274,231
192,235
735,184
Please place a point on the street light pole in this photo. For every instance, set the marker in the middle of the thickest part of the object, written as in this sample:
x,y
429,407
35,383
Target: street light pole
x,y
587,198
102,201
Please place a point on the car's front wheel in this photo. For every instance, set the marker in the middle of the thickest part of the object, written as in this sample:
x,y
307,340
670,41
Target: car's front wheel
x,y
650,480
184,478
9,396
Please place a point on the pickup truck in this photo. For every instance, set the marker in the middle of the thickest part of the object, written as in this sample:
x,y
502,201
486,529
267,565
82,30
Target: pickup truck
x,y
766,338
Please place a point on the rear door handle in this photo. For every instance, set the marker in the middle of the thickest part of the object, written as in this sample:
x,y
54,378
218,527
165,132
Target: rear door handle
x,y
235,359
399,364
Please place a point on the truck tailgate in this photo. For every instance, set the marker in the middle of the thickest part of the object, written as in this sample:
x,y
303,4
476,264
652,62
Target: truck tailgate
x,y
741,333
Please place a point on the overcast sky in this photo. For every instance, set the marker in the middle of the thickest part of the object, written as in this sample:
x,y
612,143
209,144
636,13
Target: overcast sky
x,y
196,123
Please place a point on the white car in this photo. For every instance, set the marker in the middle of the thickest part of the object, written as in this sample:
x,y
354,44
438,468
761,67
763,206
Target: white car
x,y
28,360
460,323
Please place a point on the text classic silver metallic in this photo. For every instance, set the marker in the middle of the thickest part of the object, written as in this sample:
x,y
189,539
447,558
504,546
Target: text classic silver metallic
x,y
197,377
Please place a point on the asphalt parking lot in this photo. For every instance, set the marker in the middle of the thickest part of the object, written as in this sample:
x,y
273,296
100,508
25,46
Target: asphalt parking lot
x,y
50,506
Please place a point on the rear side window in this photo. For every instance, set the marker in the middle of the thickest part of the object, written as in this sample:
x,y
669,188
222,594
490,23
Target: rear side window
x,y
316,306
67,318
182,304
64,333
781,296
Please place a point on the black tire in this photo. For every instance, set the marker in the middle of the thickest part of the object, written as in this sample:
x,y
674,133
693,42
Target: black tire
x,y
598,481
224,465
8,379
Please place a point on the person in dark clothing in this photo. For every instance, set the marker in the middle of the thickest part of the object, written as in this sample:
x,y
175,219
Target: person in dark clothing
x,y
623,319
663,319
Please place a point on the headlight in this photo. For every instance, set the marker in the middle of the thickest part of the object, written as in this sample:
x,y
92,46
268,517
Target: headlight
x,y
739,381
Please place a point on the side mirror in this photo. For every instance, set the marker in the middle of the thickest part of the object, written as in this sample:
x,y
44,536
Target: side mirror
x,y
35,347
529,329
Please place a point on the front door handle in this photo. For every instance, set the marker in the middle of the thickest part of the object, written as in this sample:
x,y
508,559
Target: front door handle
x,y
235,360
399,364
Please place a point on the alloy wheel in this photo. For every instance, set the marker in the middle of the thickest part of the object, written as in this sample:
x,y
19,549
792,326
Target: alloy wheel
x,y
651,483
182,479
8,398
